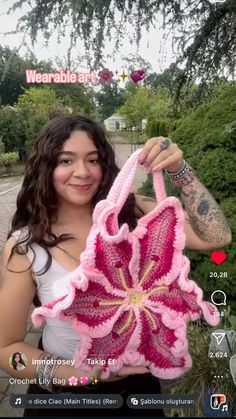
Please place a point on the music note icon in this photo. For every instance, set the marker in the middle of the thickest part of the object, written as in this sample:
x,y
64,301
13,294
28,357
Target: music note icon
x,y
225,408
18,401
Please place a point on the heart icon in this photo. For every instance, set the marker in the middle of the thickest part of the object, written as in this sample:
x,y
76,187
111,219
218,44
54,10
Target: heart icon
x,y
218,257
83,380
137,76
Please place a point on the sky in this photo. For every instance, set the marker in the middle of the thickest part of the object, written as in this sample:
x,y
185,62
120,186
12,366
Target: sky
x,y
153,47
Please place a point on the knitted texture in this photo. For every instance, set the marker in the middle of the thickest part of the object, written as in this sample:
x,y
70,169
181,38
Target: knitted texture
x,y
130,299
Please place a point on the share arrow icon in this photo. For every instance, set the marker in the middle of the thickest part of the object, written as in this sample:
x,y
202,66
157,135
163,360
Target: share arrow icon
x,y
219,337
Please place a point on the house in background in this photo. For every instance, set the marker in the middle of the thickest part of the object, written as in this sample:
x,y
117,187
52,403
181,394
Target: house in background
x,y
115,123
144,124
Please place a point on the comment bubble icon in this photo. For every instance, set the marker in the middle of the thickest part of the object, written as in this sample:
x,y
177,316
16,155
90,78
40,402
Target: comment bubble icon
x,y
218,294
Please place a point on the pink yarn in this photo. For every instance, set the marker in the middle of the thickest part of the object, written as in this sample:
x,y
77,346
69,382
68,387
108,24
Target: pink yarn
x,y
130,299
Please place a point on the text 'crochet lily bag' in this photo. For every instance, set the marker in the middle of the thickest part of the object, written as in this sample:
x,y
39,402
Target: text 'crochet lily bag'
x,y
130,298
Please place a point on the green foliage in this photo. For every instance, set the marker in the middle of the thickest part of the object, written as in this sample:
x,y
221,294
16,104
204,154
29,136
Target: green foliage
x,y
37,100
7,160
157,129
165,80
207,137
75,96
12,74
142,103
136,107
205,45
37,106
192,96
200,377
161,120
147,188
13,82
12,129
109,99
2,146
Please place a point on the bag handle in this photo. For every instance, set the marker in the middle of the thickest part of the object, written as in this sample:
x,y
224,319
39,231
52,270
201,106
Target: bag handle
x,y
123,182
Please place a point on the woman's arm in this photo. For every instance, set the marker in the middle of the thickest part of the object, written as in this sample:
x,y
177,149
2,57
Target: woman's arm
x,y
204,214
193,241
16,296
206,226
17,291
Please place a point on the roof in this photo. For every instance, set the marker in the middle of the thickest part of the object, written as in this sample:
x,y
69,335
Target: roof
x,y
115,116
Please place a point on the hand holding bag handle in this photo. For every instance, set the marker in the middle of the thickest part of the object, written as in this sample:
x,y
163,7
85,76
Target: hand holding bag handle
x,y
123,182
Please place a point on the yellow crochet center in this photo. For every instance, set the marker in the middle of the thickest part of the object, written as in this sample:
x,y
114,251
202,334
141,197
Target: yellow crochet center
x,y
135,297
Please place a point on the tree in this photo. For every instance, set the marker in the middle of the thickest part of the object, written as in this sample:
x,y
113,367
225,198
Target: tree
x,y
155,106
166,80
12,74
76,96
2,146
37,106
160,114
196,94
207,137
136,62
12,130
206,30
109,99
136,107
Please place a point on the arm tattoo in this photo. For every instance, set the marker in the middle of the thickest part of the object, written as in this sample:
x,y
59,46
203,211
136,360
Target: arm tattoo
x,y
205,216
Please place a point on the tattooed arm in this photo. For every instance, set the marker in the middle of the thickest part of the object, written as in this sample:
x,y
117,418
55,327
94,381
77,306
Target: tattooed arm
x,y
204,215
205,224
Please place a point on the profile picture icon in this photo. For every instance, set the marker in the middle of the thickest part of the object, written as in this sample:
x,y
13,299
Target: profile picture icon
x,y
18,361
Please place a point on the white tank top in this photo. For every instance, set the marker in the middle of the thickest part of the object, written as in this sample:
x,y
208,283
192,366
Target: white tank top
x,y
59,337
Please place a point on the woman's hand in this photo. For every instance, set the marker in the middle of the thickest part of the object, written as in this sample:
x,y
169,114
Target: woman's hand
x,y
95,373
122,373
160,153
125,371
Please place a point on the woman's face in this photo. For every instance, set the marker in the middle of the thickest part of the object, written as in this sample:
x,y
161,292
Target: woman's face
x,y
78,174
17,358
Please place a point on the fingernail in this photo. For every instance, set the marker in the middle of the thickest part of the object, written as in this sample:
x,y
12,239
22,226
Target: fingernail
x,y
141,158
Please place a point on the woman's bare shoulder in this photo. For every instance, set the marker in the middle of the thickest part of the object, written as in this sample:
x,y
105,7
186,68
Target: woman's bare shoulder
x,y
17,292
17,263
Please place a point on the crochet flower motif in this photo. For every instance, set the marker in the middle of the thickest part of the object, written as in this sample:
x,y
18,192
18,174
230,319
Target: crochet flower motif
x,y
138,299
130,299
105,76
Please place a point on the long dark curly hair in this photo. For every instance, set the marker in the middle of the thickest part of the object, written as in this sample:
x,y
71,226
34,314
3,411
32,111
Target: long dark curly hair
x,y
37,201
13,361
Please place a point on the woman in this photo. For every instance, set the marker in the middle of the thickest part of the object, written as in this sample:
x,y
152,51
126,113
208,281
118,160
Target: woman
x,y
17,362
71,169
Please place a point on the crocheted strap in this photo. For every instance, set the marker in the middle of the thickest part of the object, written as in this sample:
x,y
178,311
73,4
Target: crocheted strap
x,y
123,182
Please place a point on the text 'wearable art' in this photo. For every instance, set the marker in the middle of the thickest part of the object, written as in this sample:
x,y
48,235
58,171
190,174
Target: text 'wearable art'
x,y
130,298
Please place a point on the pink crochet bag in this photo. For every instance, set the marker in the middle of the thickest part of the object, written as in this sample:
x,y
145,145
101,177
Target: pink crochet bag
x,y
130,298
